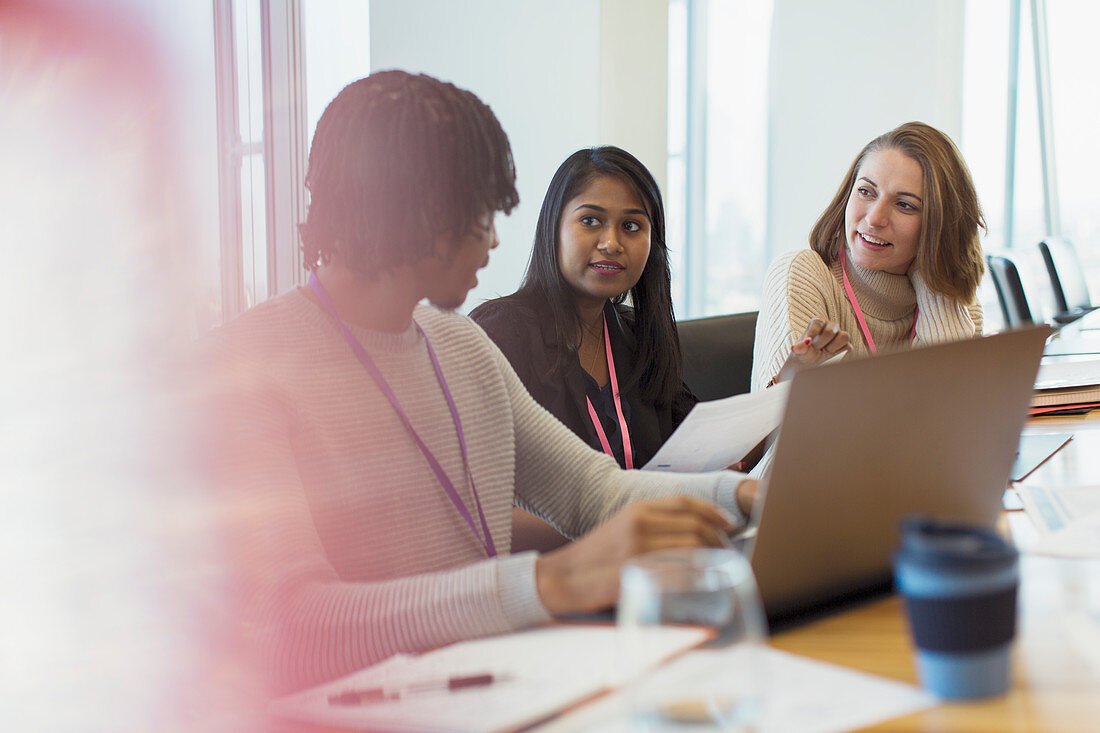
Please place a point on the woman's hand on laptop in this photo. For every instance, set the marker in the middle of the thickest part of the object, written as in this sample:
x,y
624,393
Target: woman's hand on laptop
x,y
822,340
584,575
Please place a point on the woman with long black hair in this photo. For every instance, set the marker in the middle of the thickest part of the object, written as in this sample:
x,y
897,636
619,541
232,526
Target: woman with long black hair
x,y
611,372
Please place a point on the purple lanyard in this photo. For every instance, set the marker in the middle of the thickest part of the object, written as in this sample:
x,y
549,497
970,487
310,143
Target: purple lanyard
x,y
437,469
859,311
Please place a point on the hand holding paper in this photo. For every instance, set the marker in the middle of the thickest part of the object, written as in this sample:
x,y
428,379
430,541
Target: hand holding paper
x,y
719,433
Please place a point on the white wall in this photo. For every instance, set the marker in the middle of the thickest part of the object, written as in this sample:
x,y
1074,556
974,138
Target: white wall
x,y
843,72
546,70
633,110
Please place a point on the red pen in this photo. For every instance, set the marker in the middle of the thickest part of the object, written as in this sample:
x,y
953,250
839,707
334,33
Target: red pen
x,y
381,694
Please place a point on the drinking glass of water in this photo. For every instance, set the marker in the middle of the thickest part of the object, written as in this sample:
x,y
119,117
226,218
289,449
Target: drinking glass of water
x,y
722,682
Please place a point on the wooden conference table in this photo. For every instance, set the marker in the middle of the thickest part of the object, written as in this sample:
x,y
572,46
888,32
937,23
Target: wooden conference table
x,y
1054,688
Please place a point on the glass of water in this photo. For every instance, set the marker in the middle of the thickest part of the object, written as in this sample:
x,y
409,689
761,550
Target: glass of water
x,y
722,682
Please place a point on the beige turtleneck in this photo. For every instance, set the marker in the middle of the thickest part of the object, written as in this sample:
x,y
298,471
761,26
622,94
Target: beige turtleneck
x,y
799,286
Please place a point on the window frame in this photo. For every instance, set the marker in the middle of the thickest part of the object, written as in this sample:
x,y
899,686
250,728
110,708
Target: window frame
x,y
283,147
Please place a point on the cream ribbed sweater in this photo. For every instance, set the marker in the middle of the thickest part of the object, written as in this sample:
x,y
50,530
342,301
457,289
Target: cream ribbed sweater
x,y
351,550
799,286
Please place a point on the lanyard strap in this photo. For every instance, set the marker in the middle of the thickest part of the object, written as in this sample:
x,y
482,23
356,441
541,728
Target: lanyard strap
x,y
628,454
383,385
859,311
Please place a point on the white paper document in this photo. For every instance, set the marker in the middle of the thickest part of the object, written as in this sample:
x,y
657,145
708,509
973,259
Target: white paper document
x,y
1053,509
536,674
1068,519
1063,374
1080,539
802,696
718,433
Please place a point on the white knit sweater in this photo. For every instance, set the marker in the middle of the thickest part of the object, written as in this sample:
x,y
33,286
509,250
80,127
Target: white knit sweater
x,y
799,286
350,549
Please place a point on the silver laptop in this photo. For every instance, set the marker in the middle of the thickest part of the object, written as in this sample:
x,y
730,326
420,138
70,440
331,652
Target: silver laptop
x,y
867,442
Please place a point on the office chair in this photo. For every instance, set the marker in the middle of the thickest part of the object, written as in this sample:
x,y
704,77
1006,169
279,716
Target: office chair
x,y
718,354
1010,291
1071,292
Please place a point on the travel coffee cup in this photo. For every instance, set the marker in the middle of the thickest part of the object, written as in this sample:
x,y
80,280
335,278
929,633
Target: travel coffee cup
x,y
959,583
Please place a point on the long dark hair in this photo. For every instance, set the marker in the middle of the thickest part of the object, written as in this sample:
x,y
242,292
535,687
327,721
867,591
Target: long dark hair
x,y
398,160
658,365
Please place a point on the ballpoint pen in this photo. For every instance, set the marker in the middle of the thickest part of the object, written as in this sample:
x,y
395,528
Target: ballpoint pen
x,y
382,694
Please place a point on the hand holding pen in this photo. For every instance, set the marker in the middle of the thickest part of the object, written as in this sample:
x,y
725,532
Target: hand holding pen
x,y
821,341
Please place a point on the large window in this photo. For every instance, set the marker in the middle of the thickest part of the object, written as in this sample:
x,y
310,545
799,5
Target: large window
x,y
269,101
1022,108
717,165
749,164
1028,114
1075,108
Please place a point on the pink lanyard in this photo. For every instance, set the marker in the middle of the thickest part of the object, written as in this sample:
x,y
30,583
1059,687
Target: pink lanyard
x,y
433,462
859,311
628,455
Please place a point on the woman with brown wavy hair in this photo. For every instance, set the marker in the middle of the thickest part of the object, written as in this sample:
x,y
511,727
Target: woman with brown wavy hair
x,y
895,258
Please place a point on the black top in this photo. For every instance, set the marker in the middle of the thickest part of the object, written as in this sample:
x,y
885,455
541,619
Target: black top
x,y
525,333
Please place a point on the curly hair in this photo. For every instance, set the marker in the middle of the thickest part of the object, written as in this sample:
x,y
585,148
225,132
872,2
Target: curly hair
x,y
658,366
397,161
949,253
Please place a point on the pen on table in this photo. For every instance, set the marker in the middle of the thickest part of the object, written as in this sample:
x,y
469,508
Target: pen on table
x,y
381,694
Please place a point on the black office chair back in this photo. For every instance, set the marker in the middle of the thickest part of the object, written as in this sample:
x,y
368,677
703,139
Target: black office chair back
x,y
1010,291
718,354
1071,292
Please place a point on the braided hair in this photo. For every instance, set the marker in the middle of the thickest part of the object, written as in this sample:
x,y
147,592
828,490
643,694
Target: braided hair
x,y
397,161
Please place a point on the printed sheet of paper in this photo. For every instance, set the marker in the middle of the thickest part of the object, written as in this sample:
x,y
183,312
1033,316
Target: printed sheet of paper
x,y
541,672
718,433
1054,509
803,696
1080,539
1067,518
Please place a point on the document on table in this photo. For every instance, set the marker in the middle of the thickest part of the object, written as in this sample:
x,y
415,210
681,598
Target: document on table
x,y
1052,509
1065,374
1068,519
536,674
718,433
803,695
1073,342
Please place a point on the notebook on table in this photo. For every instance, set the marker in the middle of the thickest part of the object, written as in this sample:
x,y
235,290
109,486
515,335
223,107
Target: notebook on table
x,y
867,442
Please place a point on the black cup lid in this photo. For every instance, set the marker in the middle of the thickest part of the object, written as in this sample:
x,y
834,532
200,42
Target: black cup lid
x,y
935,543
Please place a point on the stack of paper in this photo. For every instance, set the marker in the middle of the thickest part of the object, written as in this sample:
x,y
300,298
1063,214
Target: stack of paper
x,y
1066,385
